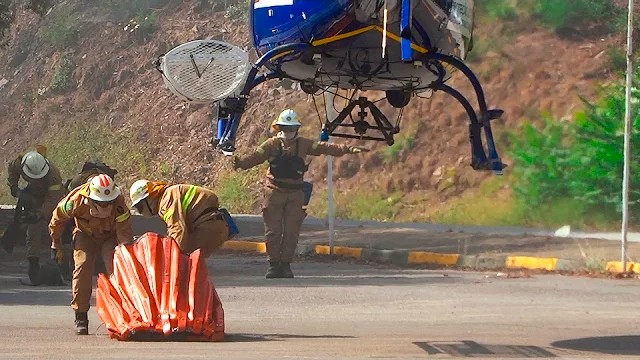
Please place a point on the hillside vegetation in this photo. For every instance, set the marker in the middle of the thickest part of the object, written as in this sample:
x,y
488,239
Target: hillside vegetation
x,y
79,78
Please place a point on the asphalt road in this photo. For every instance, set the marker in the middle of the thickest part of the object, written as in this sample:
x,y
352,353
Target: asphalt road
x,y
339,310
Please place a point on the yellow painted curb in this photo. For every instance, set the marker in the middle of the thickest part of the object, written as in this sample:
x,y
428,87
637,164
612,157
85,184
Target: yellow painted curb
x,y
424,257
616,266
339,250
527,262
260,247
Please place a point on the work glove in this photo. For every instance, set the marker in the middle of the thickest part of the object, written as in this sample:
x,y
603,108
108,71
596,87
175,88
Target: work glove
x,y
357,150
57,255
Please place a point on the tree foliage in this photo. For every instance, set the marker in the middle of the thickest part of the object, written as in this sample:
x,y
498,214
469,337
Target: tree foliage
x,y
581,159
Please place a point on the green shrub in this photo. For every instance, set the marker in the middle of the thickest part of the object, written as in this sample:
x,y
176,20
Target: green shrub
x,y
74,142
61,80
617,59
62,30
235,190
569,14
542,162
393,152
580,160
499,9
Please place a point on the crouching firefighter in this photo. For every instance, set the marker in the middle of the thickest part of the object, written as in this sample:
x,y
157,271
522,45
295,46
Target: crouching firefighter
x,y
102,220
37,200
192,214
284,199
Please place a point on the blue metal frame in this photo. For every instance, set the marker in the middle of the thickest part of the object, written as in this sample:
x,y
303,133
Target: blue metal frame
x,y
480,160
226,138
405,31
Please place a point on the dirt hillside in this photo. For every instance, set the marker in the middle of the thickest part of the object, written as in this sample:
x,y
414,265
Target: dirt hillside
x,y
114,87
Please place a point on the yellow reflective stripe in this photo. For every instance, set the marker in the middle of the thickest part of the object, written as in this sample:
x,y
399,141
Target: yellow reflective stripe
x,y
342,36
63,210
397,38
123,217
167,215
55,187
356,32
281,55
188,198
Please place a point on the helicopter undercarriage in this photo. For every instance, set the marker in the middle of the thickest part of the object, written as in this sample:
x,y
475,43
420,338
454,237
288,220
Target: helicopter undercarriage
x,y
482,158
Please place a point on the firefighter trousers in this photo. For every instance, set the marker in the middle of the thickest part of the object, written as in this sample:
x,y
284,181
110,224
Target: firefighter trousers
x,y
37,234
85,250
283,215
207,236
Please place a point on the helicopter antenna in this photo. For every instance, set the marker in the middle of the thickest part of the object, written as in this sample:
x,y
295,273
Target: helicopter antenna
x,y
384,32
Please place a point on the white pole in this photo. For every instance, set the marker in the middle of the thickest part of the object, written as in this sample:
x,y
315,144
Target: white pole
x,y
627,137
329,97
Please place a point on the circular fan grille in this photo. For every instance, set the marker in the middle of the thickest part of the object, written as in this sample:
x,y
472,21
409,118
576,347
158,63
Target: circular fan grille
x,y
205,70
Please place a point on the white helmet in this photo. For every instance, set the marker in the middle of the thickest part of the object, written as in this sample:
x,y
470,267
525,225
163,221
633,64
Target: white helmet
x,y
103,188
34,165
288,117
139,191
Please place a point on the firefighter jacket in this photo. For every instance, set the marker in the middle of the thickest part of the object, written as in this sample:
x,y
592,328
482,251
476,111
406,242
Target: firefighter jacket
x,y
77,206
46,191
286,159
183,207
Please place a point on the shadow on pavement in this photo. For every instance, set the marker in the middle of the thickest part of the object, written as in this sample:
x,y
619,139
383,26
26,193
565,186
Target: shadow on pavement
x,y
472,349
14,293
612,345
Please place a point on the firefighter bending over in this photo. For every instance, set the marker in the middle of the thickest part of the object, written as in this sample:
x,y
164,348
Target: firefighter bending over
x,y
41,194
192,214
102,221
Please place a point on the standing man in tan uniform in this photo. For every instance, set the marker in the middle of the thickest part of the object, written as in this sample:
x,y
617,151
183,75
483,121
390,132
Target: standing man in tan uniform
x,y
282,208
191,213
43,191
102,221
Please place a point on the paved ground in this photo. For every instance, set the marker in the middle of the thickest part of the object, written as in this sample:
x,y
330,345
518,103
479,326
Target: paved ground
x,y
337,310
590,249
458,240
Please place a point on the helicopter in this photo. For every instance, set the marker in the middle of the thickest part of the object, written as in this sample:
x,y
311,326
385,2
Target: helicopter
x,y
401,48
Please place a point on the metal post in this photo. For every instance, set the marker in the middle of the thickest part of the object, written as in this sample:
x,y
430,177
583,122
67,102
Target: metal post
x,y
329,97
627,137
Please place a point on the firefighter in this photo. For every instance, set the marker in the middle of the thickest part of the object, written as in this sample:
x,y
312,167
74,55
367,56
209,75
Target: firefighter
x,y
90,169
192,214
284,199
43,191
102,221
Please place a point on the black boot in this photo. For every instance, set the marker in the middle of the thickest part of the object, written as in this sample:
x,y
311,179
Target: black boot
x,y
82,323
285,270
274,270
34,270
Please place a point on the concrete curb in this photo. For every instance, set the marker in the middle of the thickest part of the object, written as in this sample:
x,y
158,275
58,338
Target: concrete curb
x,y
404,257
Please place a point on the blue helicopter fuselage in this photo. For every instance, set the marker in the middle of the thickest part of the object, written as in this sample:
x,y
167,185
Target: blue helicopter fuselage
x,y
356,46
